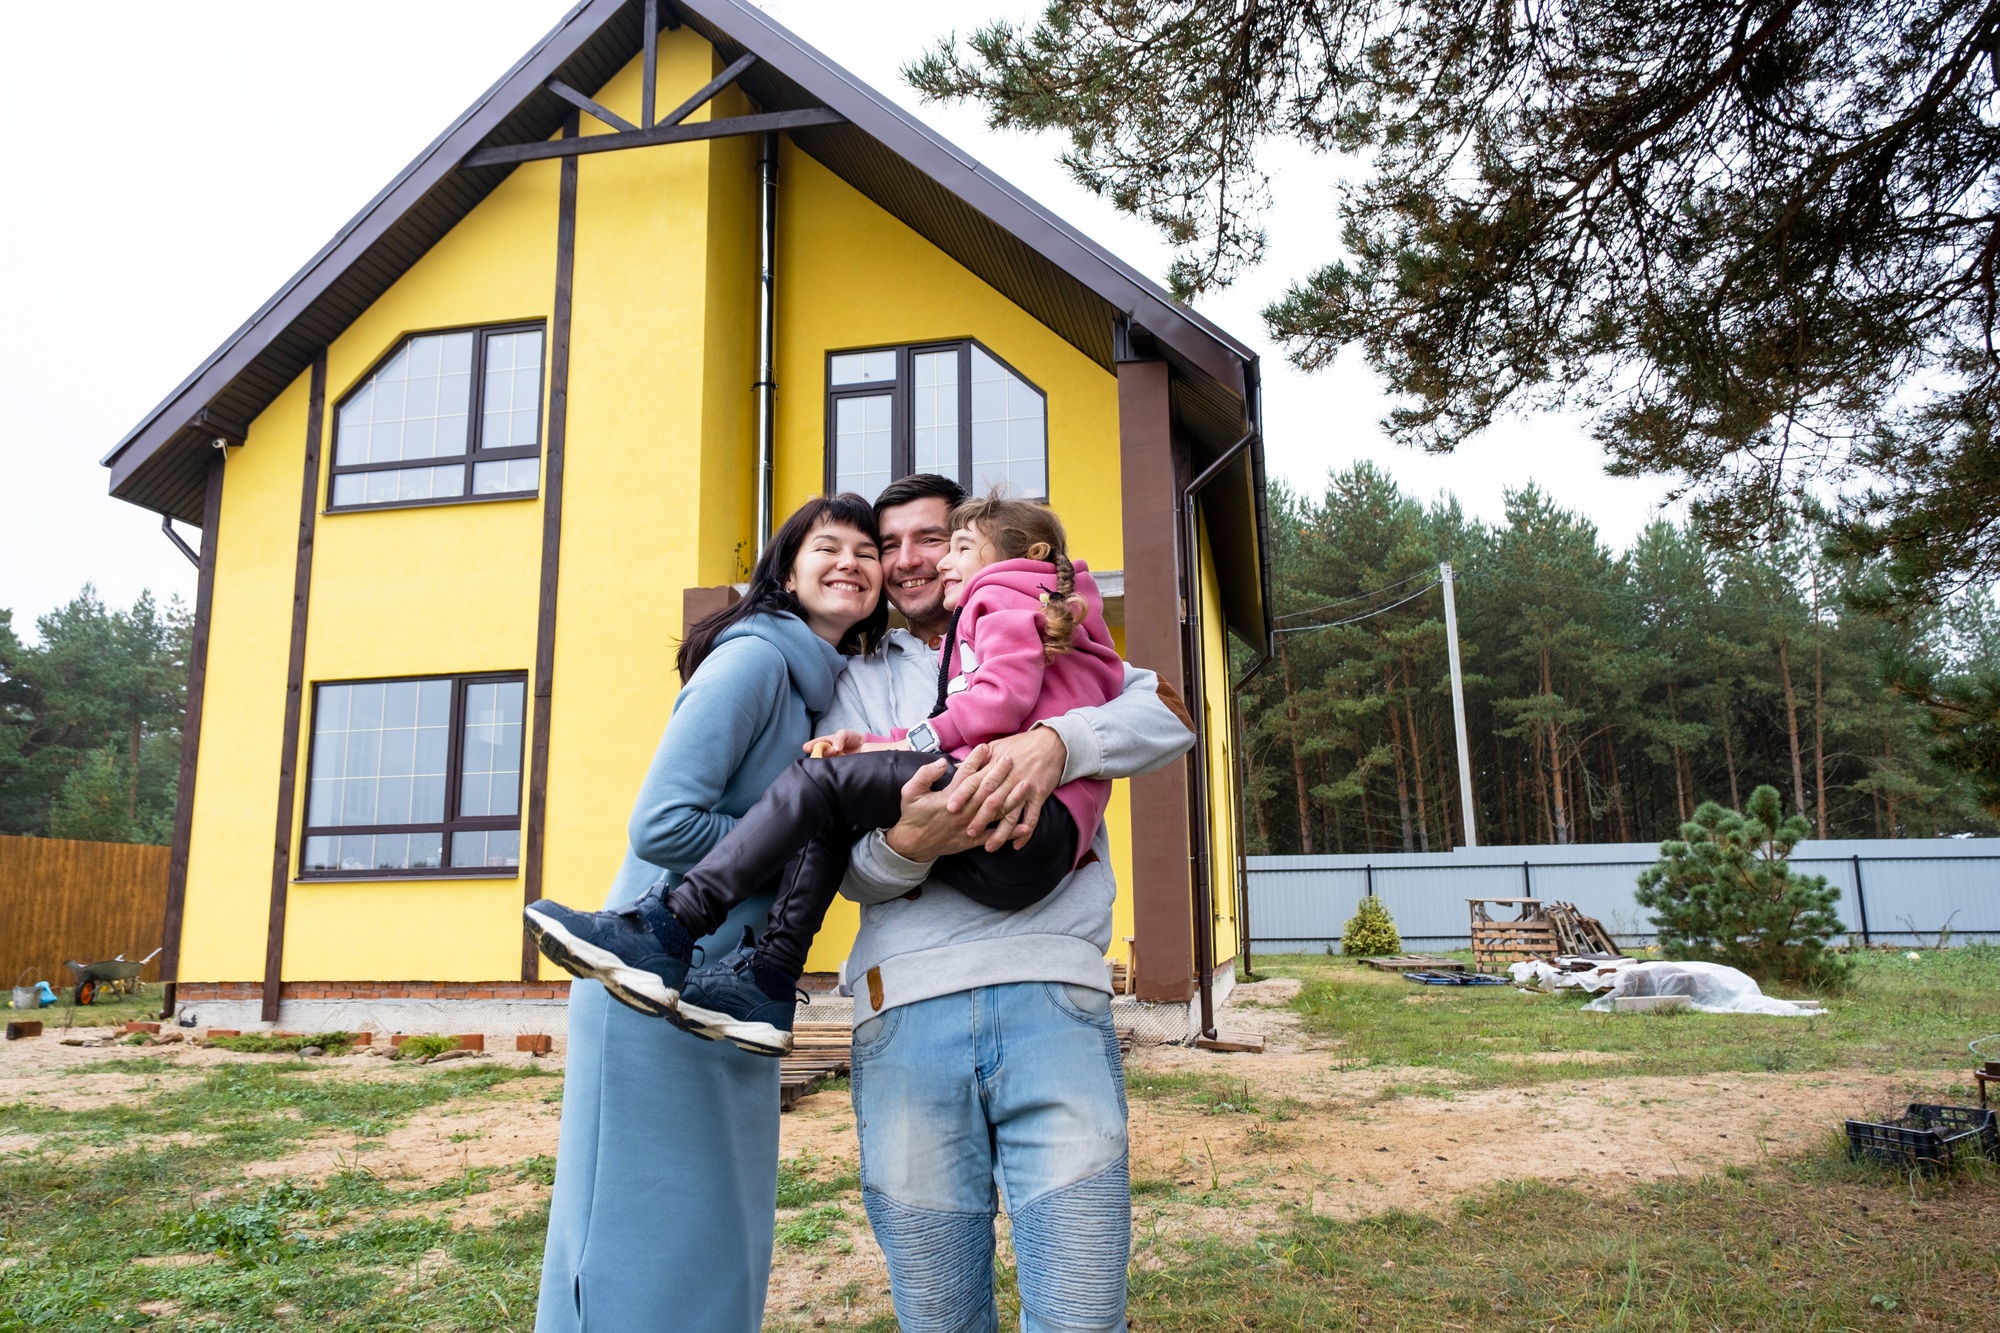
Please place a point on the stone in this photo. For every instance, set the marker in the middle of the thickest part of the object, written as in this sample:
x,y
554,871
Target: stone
x,y
310,1051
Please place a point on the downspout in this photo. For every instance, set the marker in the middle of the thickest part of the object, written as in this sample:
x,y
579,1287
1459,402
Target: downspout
x,y
766,387
1204,888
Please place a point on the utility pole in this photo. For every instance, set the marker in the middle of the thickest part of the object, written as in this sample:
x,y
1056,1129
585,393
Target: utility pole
x,y
1458,707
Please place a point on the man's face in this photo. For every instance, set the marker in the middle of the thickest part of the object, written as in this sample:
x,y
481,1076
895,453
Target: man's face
x,y
914,535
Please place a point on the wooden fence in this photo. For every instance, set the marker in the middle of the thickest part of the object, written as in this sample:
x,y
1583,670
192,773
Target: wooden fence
x,y
84,900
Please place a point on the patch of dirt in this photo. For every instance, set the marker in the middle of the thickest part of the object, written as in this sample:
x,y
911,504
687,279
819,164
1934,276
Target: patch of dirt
x,y
498,1129
1347,1154
1264,1008
1560,1057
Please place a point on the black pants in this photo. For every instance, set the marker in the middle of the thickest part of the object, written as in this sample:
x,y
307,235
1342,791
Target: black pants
x,y
800,833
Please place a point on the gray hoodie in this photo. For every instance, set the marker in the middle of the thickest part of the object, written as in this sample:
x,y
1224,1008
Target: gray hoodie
x,y
941,942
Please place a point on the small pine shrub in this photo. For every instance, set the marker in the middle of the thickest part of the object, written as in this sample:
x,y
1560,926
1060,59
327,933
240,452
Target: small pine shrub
x,y
1371,932
1723,892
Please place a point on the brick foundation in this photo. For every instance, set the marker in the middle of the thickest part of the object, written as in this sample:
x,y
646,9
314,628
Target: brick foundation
x,y
195,992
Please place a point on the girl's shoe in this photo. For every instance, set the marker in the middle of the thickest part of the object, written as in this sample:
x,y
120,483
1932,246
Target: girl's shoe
x,y
724,1001
619,949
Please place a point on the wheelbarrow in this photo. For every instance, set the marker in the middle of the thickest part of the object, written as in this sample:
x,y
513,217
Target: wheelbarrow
x,y
118,975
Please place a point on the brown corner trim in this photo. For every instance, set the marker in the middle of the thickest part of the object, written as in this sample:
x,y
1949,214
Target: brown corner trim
x,y
552,491
197,683
295,680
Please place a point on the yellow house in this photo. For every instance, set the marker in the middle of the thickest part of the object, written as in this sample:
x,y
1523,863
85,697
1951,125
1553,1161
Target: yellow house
x,y
460,479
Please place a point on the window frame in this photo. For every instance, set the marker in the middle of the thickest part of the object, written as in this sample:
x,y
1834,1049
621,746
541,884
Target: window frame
x,y
454,766
475,423
902,399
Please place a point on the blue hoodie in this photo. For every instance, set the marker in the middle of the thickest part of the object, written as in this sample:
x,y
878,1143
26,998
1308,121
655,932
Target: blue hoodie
x,y
667,1164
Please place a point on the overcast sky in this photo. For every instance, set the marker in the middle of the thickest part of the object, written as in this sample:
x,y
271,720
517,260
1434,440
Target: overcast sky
x,y
204,150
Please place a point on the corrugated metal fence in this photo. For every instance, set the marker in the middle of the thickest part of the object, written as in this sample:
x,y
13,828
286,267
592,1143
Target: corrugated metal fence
x,y
1901,891
61,899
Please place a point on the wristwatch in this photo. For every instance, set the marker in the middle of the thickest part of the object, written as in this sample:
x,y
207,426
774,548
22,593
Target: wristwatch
x,y
921,737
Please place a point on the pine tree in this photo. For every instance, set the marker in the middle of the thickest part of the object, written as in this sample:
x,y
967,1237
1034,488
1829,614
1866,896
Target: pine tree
x,y
1723,892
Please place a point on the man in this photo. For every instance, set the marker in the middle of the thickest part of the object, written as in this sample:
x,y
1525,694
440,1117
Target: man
x,y
983,1045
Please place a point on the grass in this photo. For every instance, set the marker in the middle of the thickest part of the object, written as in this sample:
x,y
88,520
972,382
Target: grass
x,y
1896,1014
81,1233
266,1043
157,1174
1812,1244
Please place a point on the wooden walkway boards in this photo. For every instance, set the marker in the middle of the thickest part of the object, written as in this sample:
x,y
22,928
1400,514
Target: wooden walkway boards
x,y
820,1052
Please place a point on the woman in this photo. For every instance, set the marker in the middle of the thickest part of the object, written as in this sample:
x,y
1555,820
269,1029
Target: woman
x,y
652,1227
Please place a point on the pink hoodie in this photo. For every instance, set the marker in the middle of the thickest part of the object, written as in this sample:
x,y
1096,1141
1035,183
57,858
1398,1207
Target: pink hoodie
x,y
1003,682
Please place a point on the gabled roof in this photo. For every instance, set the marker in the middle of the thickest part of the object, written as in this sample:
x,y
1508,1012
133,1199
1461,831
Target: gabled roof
x,y
1064,279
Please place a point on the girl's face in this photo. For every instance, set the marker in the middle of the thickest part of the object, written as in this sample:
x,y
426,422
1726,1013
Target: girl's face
x,y
837,578
970,552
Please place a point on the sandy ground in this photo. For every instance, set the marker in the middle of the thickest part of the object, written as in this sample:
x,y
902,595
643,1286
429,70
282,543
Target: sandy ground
x,y
1322,1136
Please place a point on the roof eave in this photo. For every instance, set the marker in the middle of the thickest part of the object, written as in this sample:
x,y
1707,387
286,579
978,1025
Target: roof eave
x,y
271,319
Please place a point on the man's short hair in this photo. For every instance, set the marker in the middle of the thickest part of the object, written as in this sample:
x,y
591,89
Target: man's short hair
x,y
918,486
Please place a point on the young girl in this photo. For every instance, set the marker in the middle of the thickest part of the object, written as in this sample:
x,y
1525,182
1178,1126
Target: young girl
x,y
1027,642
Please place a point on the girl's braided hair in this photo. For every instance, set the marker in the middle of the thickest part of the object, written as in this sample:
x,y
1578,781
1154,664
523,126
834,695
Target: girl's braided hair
x,y
1025,530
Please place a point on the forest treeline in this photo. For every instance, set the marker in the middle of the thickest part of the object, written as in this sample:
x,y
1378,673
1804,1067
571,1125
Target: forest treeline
x,y
1607,694
90,720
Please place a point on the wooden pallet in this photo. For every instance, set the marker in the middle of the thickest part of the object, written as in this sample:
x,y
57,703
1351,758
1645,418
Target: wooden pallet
x,y
1539,929
820,1052
1415,962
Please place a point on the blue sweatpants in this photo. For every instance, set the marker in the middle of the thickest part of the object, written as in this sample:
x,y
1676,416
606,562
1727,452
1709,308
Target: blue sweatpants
x,y
666,1174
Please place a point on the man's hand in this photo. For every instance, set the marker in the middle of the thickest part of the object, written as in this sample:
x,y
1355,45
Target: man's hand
x,y
1007,806
995,798
930,828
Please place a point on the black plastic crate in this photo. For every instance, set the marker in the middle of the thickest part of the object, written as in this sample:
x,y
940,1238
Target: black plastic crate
x,y
1929,1138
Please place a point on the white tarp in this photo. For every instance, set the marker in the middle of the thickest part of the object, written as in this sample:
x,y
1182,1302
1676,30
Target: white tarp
x,y
1568,973
1710,988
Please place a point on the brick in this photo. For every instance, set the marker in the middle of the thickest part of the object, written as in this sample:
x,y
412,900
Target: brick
x,y
535,1043
32,1027
478,995
224,1032
472,1041
364,1039
398,1040
142,1027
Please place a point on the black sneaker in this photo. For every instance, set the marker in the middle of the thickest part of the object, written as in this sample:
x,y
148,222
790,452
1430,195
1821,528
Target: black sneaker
x,y
723,1001
616,948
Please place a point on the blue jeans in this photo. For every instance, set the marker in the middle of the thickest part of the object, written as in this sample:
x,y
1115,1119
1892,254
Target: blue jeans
x,y
1021,1084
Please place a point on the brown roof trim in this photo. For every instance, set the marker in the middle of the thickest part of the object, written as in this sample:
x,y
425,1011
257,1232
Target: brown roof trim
x,y
438,161
1194,338
158,465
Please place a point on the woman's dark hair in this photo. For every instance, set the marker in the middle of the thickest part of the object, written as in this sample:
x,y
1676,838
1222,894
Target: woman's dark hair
x,y
767,581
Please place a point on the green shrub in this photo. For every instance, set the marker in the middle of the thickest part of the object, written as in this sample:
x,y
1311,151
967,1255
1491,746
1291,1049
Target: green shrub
x,y
423,1048
1371,932
1723,893
265,1043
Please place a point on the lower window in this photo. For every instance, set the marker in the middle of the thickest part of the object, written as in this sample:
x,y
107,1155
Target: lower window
x,y
415,775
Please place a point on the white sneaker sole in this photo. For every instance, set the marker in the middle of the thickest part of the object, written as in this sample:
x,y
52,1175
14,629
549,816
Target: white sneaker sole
x,y
756,1038
632,987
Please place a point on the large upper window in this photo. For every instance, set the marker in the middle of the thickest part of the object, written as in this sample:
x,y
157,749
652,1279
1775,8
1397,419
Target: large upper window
x,y
950,408
415,775
409,433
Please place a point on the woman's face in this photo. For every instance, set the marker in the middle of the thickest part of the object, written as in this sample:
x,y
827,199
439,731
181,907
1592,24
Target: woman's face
x,y
837,578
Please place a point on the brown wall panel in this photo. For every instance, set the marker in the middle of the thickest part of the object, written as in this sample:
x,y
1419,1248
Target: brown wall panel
x,y
1161,885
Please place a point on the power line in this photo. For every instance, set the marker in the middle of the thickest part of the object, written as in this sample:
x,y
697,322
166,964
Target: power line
x,y
1365,615
1358,597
